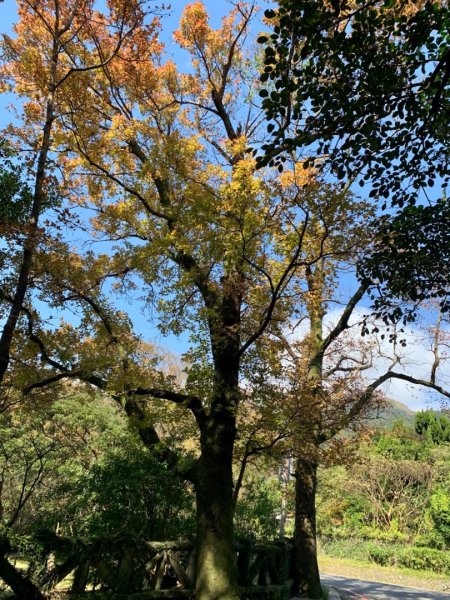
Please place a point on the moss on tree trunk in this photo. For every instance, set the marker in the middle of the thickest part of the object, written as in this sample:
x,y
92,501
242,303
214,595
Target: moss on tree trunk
x,y
305,567
216,572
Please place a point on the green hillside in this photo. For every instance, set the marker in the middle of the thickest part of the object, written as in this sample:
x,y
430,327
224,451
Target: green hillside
x,y
393,411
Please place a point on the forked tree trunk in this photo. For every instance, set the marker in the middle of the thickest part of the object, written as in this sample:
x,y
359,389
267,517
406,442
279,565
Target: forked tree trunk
x,y
306,569
216,572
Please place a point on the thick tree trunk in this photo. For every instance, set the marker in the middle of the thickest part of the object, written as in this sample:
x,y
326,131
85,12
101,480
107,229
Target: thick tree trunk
x,y
305,567
216,569
23,588
216,572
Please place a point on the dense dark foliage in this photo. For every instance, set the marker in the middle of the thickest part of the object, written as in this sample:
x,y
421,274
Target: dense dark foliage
x,y
362,88
365,85
411,260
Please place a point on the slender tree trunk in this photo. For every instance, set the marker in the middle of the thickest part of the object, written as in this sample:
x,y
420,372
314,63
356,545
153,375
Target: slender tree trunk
x,y
23,276
284,477
306,570
216,572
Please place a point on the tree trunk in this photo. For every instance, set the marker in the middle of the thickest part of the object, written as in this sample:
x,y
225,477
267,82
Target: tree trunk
x,y
80,577
124,581
284,477
23,588
306,570
58,572
216,571
216,568
23,277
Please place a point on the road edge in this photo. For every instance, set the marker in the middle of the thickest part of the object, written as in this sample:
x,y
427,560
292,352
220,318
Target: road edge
x,y
333,594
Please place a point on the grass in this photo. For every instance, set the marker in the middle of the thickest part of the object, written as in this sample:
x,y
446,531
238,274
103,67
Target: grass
x,y
364,570
325,593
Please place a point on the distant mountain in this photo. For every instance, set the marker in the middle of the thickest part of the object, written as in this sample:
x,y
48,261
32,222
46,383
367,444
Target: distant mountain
x,y
393,411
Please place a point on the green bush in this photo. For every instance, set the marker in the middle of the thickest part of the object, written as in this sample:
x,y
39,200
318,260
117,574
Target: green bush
x,y
419,558
427,559
257,509
401,444
381,555
432,539
440,513
355,548
129,493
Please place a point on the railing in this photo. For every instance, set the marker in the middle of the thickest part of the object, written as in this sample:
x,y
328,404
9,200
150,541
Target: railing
x,y
144,570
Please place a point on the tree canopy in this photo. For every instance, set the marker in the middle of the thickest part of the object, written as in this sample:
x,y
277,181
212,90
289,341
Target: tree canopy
x,y
363,88
365,85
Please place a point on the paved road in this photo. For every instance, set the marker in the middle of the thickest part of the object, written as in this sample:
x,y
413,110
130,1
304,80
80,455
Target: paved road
x,y
368,590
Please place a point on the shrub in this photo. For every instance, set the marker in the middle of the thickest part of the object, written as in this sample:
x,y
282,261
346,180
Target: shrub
x,y
257,509
381,555
427,559
440,513
345,548
419,558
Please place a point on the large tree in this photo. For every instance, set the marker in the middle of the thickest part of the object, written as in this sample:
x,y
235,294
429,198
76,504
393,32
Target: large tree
x,y
334,373
223,251
160,158
332,394
37,65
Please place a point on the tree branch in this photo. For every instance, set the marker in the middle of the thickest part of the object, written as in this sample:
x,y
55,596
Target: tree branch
x,y
342,324
367,395
277,291
193,403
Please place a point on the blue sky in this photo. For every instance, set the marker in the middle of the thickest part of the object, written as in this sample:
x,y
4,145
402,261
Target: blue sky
x,y
8,13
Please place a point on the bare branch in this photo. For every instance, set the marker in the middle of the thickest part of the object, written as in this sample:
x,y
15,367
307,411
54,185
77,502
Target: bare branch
x,y
277,291
342,324
193,403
